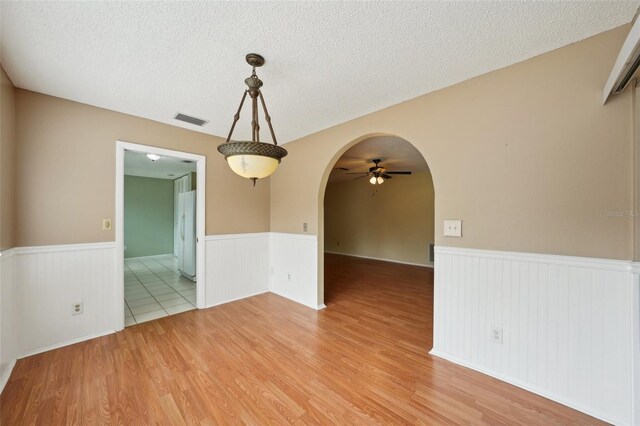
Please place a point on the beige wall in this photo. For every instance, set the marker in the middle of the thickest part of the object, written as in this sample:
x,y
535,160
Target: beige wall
x,y
66,172
7,160
392,221
526,156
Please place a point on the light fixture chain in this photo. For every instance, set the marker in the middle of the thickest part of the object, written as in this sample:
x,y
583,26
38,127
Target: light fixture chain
x,y
236,117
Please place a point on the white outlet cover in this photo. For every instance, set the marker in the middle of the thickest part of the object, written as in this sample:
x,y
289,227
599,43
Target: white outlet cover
x,y
80,308
496,334
452,228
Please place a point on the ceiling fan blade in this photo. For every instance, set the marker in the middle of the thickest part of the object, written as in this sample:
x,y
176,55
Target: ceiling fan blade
x,y
357,173
360,177
385,176
341,168
398,173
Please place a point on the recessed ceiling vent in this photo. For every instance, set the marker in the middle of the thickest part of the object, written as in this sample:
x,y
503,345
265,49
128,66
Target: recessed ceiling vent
x,y
191,120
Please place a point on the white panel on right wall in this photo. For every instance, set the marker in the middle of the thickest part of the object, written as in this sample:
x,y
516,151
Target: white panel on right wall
x,y
293,271
567,324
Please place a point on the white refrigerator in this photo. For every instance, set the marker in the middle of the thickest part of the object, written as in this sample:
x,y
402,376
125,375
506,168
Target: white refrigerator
x,y
186,249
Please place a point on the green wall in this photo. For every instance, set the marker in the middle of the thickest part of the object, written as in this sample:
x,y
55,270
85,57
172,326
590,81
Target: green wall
x,y
148,216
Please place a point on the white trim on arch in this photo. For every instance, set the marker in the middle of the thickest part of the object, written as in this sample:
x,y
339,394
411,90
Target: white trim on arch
x,y
200,160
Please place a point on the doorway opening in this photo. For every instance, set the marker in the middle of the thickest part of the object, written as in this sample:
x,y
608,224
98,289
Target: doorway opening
x,y
379,231
159,232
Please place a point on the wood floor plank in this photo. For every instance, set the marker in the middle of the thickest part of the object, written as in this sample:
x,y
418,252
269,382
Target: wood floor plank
x,y
267,360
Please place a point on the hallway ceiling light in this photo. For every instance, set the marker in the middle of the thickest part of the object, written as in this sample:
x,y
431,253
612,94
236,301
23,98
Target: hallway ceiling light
x,y
153,157
253,159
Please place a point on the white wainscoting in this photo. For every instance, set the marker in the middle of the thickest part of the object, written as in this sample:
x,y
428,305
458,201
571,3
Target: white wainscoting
x,y
567,324
294,268
237,267
50,279
635,268
8,331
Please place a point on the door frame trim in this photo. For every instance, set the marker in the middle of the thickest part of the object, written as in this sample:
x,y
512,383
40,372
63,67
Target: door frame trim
x,y
121,147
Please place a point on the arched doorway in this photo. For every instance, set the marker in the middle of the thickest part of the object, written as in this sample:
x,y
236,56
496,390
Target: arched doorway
x,y
377,218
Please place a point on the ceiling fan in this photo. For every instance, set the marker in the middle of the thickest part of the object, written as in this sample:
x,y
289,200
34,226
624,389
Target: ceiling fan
x,y
378,174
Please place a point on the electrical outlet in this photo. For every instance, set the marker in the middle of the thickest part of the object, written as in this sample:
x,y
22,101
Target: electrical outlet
x,y
288,276
272,271
77,308
496,334
305,226
106,224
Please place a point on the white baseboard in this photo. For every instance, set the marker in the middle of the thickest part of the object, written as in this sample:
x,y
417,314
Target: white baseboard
x,y
5,373
522,385
318,308
424,265
286,296
65,343
235,299
149,257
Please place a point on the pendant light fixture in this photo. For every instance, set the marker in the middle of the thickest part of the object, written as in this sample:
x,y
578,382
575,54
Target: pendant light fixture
x,y
253,159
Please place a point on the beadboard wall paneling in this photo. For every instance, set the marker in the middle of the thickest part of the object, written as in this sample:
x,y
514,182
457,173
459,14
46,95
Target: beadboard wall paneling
x,y
293,271
237,267
567,324
9,326
635,331
50,279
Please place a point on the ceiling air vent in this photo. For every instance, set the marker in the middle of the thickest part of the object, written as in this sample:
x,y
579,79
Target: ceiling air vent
x,y
191,120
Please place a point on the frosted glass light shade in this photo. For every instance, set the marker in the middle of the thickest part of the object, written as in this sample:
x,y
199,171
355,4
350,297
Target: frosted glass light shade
x,y
253,166
380,180
372,180
252,160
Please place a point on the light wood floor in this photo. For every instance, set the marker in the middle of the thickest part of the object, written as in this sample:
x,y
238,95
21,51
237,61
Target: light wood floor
x,y
267,360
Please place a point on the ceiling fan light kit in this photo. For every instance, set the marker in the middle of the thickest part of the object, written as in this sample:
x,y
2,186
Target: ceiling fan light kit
x,y
378,174
253,159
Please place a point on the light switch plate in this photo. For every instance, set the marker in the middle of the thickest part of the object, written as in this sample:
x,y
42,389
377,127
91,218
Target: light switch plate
x,y
453,228
106,224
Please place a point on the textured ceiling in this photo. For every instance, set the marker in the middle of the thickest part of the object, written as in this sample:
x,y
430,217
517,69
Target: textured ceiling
x,y
396,154
137,164
327,62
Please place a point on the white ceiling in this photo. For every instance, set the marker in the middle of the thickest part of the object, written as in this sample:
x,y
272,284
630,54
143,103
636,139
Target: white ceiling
x,y
396,154
327,62
137,164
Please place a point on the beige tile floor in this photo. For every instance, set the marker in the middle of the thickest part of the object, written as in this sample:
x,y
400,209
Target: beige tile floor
x,y
153,288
